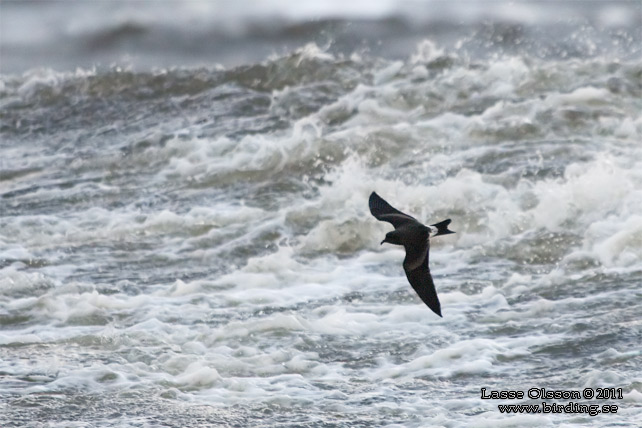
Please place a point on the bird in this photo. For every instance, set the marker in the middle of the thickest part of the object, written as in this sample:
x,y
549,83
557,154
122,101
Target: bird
x,y
415,238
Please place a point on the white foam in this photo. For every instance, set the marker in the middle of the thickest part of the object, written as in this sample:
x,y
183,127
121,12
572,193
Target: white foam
x,y
514,421
585,95
634,396
198,375
476,356
616,242
19,339
15,283
427,51
14,252
341,321
387,73
601,378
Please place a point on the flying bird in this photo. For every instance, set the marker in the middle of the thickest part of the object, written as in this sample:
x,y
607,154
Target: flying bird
x,y
415,238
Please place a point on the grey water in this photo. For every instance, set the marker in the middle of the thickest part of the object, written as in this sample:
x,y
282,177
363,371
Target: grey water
x,y
184,229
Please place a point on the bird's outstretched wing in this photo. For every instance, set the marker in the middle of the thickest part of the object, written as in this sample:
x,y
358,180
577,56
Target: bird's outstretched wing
x,y
383,211
421,280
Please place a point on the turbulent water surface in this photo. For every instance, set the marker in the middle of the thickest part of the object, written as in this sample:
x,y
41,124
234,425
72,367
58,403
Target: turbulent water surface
x,y
192,246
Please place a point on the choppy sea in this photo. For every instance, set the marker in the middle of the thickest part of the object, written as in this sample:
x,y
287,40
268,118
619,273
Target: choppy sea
x,y
185,238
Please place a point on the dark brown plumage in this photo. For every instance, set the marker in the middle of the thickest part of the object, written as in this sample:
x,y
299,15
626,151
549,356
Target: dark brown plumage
x,y
415,238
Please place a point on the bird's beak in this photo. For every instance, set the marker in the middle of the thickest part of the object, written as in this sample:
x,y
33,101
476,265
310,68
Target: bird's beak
x,y
382,242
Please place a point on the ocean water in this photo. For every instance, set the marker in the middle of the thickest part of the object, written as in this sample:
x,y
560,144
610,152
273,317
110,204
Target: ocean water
x,y
185,238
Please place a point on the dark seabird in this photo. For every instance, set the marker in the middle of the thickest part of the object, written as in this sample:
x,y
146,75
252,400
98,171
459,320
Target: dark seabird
x,y
415,238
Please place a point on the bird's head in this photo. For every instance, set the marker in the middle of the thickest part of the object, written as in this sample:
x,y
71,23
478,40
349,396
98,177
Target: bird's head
x,y
392,238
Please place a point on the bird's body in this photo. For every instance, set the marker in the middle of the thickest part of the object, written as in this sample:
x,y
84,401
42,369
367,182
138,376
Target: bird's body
x,y
415,238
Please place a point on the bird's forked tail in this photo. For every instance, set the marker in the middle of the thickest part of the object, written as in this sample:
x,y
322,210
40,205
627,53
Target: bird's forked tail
x,y
442,228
